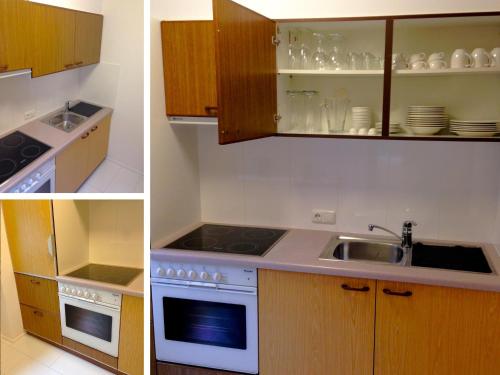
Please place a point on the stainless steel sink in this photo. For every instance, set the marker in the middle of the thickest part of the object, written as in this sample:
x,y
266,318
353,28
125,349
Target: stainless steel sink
x,y
66,121
362,249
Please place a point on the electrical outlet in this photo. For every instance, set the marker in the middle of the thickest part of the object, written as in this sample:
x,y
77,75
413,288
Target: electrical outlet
x,y
29,114
324,217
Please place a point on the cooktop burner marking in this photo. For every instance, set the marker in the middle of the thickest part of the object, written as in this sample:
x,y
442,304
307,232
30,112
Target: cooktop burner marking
x,y
7,166
13,140
243,247
200,243
31,151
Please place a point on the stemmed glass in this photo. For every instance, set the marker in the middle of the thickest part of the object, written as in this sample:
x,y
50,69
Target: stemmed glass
x,y
294,50
319,57
337,55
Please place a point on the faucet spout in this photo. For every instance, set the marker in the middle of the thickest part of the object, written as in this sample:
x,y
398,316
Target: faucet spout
x,y
371,227
405,238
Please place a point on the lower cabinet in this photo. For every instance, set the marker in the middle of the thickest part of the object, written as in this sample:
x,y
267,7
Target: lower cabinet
x,y
315,324
39,306
173,369
91,352
131,358
436,330
77,161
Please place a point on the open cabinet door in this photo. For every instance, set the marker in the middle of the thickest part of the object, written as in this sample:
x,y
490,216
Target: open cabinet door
x,y
246,73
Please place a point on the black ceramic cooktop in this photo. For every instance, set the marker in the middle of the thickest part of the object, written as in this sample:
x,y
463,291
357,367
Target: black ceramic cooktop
x,y
106,274
229,239
17,150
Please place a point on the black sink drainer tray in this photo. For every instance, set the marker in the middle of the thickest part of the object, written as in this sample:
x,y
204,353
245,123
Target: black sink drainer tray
x,y
85,109
457,258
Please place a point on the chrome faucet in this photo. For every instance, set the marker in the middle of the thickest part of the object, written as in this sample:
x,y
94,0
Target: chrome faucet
x,y
67,105
405,238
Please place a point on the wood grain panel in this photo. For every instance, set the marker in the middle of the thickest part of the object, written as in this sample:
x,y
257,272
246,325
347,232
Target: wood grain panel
x,y
437,331
98,144
72,165
189,67
131,358
29,224
37,292
88,35
90,352
42,323
246,73
53,40
308,324
14,35
174,369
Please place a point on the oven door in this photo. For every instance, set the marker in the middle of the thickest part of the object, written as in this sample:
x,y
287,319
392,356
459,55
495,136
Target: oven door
x,y
207,325
90,324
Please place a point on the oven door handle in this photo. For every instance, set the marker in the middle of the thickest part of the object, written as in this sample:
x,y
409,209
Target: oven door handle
x,y
235,289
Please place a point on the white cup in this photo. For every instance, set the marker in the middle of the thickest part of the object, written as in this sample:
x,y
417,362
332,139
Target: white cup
x,y
495,57
461,59
417,57
438,64
482,59
436,56
419,65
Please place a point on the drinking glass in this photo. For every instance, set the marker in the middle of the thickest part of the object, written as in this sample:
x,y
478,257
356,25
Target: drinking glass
x,y
294,50
338,106
312,120
354,61
337,54
296,110
305,36
319,57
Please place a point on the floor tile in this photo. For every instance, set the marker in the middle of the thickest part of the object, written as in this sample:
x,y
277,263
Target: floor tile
x,y
31,368
10,357
110,177
40,351
69,364
125,181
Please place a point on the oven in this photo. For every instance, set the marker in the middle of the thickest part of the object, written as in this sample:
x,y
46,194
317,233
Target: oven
x,y
211,322
42,180
90,317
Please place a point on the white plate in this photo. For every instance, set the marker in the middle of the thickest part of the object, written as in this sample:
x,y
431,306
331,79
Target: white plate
x,y
476,134
426,130
474,122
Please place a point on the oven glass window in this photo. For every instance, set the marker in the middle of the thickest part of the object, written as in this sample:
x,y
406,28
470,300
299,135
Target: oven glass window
x,y
45,188
208,323
89,322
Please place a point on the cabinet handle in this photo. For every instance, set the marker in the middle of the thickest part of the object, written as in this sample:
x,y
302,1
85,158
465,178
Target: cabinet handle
x,y
35,282
4,68
50,245
67,66
94,128
38,313
353,289
211,110
86,135
399,294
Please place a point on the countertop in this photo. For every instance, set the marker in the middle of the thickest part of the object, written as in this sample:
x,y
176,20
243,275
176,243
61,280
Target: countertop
x,y
135,288
299,251
56,138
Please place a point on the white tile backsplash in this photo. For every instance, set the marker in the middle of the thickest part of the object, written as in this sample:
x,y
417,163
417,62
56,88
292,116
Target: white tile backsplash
x,y
450,188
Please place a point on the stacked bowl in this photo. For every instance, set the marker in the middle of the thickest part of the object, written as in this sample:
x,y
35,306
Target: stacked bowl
x,y
394,127
466,128
426,120
361,118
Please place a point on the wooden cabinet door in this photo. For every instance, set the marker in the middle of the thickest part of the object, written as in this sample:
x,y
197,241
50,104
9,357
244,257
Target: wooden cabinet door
x,y
436,330
72,165
98,144
88,34
29,230
131,359
13,35
313,324
42,323
53,42
37,292
246,73
189,68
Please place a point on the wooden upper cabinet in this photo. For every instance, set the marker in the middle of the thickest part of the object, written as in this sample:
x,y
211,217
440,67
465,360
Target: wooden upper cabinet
x,y
246,73
53,39
189,68
436,330
88,31
13,37
29,231
313,324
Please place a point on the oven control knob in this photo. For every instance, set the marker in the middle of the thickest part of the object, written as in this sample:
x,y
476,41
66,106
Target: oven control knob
x,y
30,181
17,191
94,297
79,293
217,276
86,294
181,273
73,291
192,275
62,289
204,275
38,176
160,271
24,187
66,290
171,272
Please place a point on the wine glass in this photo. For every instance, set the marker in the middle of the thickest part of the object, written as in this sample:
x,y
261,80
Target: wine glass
x,y
337,55
294,50
319,57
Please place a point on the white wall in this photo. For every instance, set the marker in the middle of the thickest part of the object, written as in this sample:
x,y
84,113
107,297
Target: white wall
x,y
175,186
11,322
92,6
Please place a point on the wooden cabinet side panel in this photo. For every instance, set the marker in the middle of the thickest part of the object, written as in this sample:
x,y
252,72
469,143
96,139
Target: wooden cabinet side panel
x,y
189,67
42,323
437,331
14,35
72,166
90,352
131,358
98,144
246,73
29,224
308,324
174,369
37,292
88,36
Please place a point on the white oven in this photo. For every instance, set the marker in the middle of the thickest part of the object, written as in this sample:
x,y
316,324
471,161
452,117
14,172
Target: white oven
x,y
42,180
90,317
206,316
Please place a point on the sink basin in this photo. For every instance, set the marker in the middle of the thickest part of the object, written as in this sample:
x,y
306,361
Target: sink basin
x,y
359,249
66,121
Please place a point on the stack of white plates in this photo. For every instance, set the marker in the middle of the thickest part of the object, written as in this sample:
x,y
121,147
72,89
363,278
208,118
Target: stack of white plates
x,y
361,118
426,120
394,127
474,128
